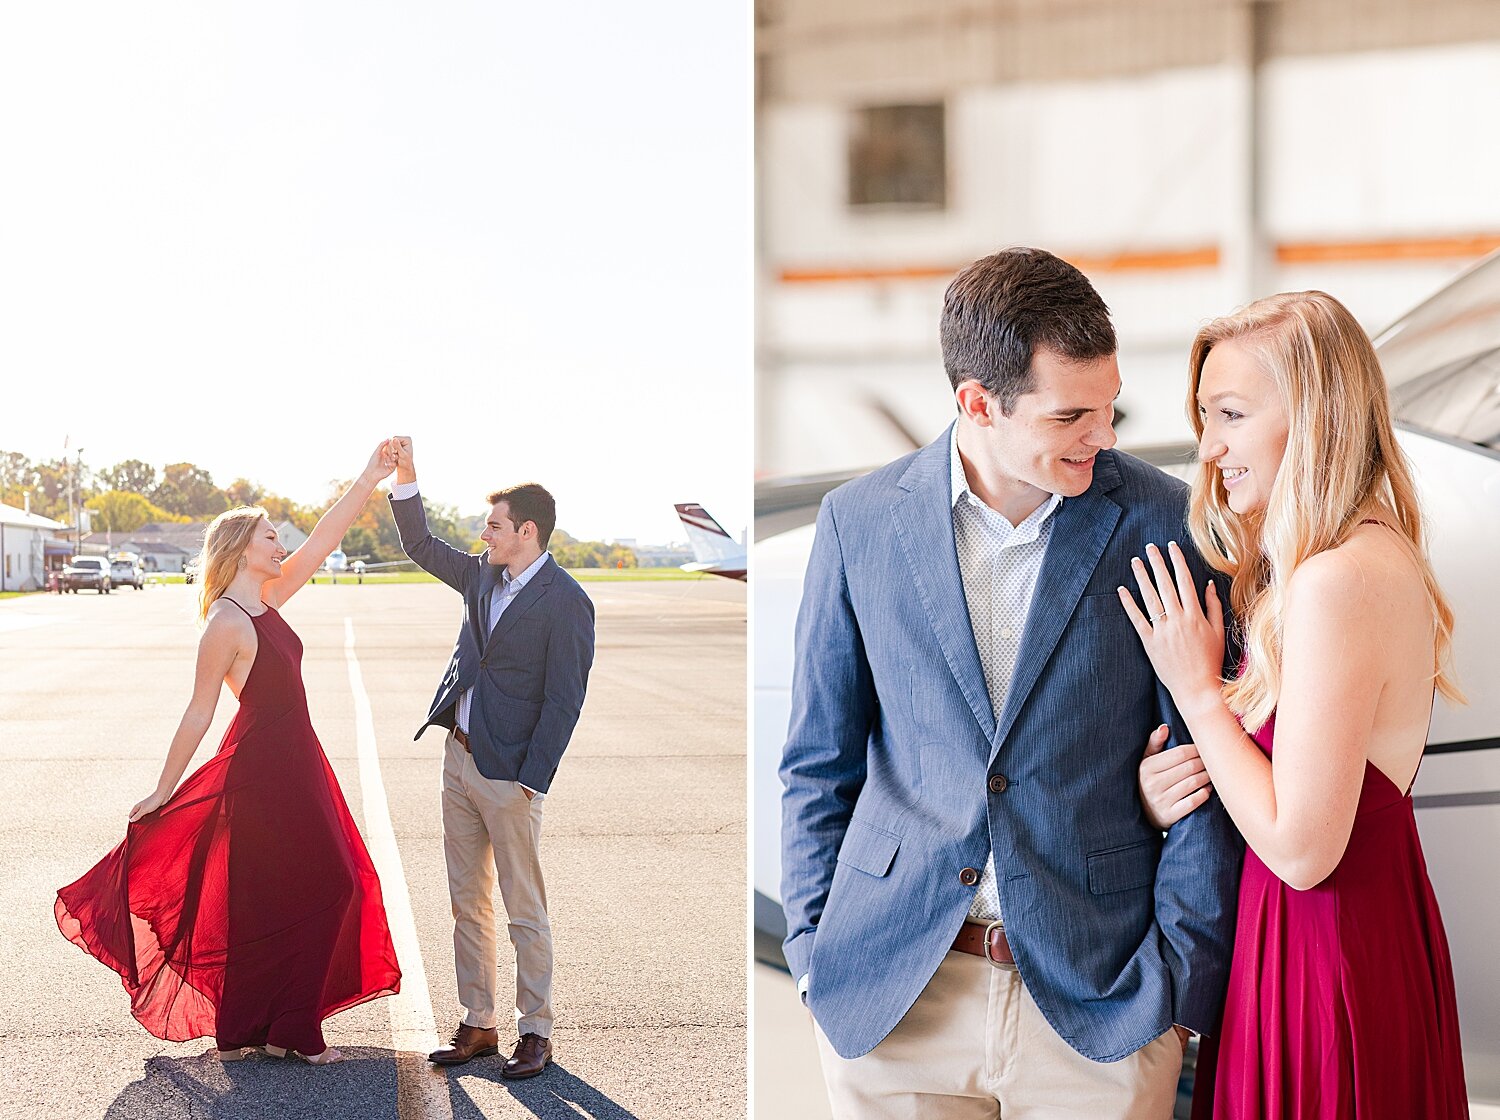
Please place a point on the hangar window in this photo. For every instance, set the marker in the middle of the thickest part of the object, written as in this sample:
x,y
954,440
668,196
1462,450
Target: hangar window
x,y
898,157
1460,400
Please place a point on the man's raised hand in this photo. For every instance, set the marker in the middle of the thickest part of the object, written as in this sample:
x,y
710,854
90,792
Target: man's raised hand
x,y
406,469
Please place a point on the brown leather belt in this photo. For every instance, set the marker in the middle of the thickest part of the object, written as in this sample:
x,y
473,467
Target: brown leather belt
x,y
463,738
987,941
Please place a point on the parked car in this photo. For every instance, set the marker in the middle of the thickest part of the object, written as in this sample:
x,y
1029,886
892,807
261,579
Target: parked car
x,y
87,571
125,567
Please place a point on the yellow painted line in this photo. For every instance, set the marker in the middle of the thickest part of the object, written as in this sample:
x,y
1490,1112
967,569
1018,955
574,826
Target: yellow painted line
x,y
421,1089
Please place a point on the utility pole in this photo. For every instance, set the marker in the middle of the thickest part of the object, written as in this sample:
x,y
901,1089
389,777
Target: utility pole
x,y
76,485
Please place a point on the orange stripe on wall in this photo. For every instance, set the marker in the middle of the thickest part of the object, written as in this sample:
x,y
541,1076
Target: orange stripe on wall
x,y
1150,261
1166,260
1403,249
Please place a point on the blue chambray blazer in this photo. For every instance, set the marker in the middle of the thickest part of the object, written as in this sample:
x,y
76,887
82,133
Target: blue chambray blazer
x,y
1118,932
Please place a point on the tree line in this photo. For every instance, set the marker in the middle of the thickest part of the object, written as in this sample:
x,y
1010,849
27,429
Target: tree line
x,y
134,493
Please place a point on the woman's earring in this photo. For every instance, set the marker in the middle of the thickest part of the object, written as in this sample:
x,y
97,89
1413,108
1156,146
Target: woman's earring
x,y
243,562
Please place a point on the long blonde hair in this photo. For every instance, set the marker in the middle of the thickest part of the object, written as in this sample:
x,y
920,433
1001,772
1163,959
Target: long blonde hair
x,y
223,545
1342,462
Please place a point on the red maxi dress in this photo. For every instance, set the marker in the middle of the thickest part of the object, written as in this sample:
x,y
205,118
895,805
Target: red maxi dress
x,y
246,907
1341,1003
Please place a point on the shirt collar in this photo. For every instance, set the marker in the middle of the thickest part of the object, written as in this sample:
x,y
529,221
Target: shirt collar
x,y
509,582
1026,530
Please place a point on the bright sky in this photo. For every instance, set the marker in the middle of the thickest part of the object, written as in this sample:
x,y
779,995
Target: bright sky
x,y
260,237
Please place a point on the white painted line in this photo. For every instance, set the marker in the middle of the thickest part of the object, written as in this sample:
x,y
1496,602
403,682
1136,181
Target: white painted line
x,y
421,1090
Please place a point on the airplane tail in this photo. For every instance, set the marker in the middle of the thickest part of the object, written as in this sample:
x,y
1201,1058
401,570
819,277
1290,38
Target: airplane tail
x,y
710,543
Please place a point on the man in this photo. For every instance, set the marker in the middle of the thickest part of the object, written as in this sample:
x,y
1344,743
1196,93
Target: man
x,y
509,701
969,708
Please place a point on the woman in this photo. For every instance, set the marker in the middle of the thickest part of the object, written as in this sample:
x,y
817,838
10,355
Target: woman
x,y
244,905
1341,999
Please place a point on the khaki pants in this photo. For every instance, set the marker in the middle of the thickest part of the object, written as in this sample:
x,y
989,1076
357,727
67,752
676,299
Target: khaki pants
x,y
491,830
975,1045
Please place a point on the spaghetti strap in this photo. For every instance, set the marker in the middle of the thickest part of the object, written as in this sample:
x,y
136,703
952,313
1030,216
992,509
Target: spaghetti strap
x,y
237,603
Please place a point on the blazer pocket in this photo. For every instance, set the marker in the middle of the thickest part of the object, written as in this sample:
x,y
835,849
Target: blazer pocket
x,y
868,849
1105,603
1122,869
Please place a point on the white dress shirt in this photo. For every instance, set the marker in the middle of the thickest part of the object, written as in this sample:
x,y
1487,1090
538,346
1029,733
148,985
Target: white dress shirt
x,y
999,563
501,596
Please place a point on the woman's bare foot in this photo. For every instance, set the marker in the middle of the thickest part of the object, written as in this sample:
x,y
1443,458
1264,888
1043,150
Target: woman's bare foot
x,y
231,1055
326,1058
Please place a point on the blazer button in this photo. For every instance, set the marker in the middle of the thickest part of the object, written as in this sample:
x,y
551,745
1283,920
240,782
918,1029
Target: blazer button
x,y
998,783
968,876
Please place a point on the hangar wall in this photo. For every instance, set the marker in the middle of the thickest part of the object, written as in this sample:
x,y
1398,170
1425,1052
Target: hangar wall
x,y
1188,156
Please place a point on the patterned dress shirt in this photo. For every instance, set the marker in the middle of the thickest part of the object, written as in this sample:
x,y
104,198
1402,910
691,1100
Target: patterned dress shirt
x,y
999,564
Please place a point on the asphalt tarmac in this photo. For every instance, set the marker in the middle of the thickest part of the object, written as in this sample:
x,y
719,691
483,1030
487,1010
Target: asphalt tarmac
x,y
643,849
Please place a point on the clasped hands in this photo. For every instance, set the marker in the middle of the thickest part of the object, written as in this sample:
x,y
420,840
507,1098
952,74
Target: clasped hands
x,y
389,455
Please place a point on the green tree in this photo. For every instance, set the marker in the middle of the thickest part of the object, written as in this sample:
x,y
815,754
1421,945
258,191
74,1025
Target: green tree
x,y
243,492
17,476
190,490
131,475
359,544
121,511
49,496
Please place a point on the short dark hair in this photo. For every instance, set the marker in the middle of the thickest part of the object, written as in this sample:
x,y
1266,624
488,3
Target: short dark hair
x,y
529,501
1002,309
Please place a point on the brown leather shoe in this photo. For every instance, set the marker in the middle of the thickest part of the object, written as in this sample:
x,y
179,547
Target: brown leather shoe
x,y
533,1054
467,1042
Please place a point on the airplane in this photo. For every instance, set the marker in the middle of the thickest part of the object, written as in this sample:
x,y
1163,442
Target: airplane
x,y
338,562
718,553
1442,363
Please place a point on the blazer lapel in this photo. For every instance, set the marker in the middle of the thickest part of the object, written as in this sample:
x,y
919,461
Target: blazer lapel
x,y
924,526
479,602
525,599
1080,533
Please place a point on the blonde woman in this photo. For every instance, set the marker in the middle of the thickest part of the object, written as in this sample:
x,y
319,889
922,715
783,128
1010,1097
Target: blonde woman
x,y
244,905
1341,999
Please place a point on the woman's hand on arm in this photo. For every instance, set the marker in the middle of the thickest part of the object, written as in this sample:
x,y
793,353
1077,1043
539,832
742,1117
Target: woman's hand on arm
x,y
299,567
223,639
1172,783
1183,638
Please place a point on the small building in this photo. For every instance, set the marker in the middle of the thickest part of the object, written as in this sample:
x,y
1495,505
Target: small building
x,y
157,555
24,540
164,546
292,538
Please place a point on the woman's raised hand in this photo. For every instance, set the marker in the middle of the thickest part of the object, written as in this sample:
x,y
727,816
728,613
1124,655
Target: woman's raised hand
x,y
1183,639
1172,782
382,461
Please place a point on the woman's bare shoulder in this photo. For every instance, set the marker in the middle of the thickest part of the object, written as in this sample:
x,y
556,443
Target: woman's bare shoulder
x,y
1368,583
227,624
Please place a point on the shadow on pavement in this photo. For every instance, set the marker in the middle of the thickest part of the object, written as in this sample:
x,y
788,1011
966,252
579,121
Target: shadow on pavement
x,y
261,1088
554,1094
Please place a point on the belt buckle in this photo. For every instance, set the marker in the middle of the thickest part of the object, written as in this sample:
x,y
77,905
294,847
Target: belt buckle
x,y
1007,966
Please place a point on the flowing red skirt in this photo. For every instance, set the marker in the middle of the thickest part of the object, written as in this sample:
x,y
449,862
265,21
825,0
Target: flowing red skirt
x,y
246,907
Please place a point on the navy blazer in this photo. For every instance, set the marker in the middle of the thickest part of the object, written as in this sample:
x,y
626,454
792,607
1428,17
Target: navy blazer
x,y
529,674
1118,932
